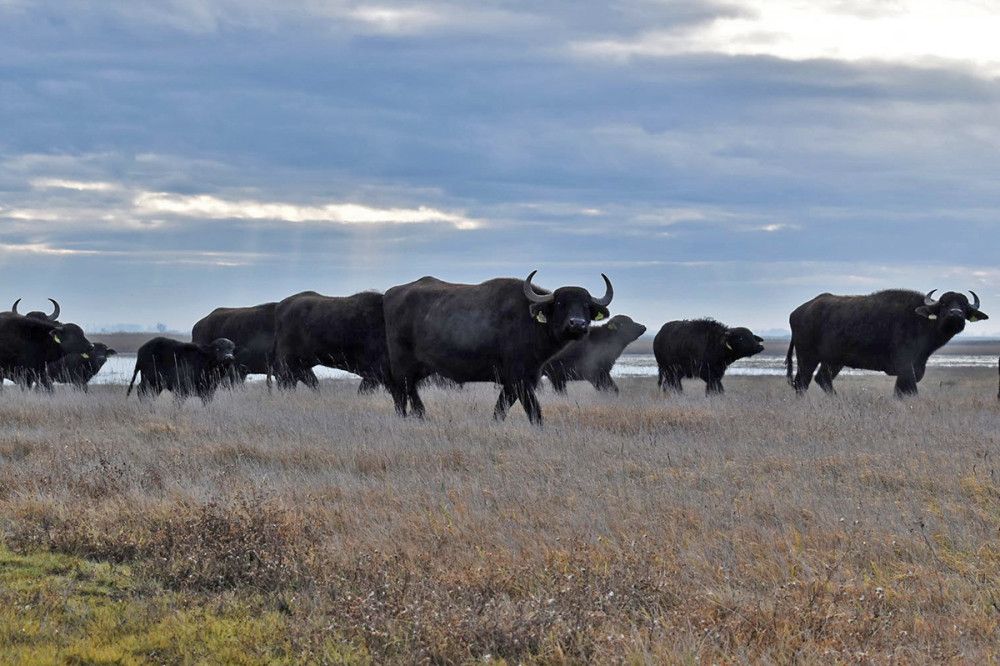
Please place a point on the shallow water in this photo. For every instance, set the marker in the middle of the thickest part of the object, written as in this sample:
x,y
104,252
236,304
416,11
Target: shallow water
x,y
118,369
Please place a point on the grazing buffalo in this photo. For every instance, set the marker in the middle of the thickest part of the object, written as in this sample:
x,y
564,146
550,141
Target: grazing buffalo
x,y
347,333
701,348
38,314
183,368
892,331
501,330
252,331
79,368
592,357
28,344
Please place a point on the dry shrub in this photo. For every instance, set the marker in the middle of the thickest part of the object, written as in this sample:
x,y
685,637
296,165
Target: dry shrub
x,y
246,542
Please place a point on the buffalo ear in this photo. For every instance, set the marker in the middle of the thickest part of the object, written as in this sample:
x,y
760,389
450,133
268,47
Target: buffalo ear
x,y
977,315
612,326
538,310
110,352
598,312
926,311
758,338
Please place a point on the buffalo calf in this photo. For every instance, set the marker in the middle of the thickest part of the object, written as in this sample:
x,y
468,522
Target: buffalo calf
x,y
79,368
183,368
592,357
701,348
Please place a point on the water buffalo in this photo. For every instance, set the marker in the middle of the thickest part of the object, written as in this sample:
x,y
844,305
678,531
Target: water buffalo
x,y
701,348
592,357
892,331
502,330
347,333
28,344
183,368
252,331
79,368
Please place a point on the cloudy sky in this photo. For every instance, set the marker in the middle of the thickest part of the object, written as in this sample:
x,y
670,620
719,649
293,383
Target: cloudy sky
x,y
160,158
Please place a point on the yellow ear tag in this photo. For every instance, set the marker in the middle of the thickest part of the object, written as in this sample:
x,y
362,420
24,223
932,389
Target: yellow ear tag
x,y
612,326
973,318
541,318
85,355
729,347
599,317
56,338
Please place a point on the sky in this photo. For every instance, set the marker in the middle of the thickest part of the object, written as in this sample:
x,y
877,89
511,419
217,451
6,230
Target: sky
x,y
162,158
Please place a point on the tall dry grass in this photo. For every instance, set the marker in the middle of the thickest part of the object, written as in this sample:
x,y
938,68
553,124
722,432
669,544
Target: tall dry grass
x,y
753,527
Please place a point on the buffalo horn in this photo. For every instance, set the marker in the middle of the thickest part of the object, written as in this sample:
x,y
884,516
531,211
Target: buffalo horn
x,y
534,297
929,299
55,313
608,293
14,307
975,305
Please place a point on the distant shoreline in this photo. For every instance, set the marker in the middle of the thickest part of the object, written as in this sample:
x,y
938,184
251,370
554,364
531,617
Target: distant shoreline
x,y
779,346
128,343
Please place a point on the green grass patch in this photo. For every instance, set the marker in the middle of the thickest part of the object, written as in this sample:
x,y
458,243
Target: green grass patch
x,y
66,610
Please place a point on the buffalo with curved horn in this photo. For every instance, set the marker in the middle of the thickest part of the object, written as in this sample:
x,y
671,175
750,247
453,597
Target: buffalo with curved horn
x,y
502,330
893,331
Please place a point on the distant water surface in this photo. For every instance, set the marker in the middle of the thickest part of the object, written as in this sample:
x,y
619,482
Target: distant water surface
x,y
118,369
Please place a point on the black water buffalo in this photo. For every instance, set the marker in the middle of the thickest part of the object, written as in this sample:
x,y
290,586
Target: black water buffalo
x,y
892,331
38,314
79,368
501,330
252,331
183,368
347,333
592,357
701,348
28,344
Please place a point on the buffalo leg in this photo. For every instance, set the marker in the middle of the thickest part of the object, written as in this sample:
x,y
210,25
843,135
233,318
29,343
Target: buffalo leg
x,y
804,374
508,395
558,382
526,394
825,377
603,382
671,380
906,384
713,386
416,404
307,377
398,391
368,385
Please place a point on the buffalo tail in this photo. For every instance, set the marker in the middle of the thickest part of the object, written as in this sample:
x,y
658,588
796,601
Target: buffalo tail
x,y
132,383
788,360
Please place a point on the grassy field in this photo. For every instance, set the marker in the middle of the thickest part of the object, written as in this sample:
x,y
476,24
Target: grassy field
x,y
750,528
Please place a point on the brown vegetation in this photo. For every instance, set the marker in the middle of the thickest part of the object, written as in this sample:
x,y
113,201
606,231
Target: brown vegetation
x,y
752,528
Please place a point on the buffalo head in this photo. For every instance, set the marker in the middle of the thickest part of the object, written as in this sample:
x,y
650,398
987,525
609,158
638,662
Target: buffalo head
x,y
568,311
71,339
951,311
626,327
222,350
100,353
742,343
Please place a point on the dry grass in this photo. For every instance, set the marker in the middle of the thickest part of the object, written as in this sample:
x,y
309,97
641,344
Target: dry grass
x,y
752,528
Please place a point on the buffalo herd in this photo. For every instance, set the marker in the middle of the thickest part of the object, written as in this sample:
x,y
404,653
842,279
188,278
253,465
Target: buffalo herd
x,y
506,331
